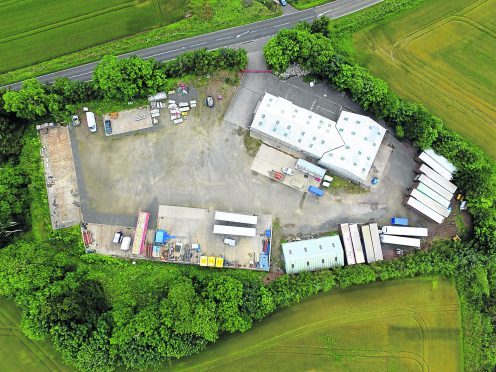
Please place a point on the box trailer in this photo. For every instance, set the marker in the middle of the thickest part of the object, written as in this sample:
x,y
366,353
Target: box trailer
x,y
434,186
367,242
424,210
376,241
425,158
347,244
433,195
445,212
436,177
357,244
400,240
405,231
441,160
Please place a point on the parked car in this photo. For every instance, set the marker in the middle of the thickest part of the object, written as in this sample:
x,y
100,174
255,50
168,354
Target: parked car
x,y
288,171
75,120
107,126
283,2
209,101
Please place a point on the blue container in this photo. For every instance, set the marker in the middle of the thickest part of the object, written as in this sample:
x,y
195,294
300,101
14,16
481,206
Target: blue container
x,y
399,221
316,191
267,233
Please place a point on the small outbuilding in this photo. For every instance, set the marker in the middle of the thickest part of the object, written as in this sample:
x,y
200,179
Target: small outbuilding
x,y
313,254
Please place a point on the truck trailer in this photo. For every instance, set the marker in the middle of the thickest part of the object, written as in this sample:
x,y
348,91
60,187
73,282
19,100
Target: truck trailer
x,y
405,231
400,240
424,210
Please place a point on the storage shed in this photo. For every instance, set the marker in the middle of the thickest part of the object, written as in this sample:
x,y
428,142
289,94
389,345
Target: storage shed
x,y
313,254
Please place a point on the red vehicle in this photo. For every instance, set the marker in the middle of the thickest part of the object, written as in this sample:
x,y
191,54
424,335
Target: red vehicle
x,y
278,176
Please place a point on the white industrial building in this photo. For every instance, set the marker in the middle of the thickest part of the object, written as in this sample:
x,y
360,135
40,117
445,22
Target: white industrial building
x,y
347,148
313,254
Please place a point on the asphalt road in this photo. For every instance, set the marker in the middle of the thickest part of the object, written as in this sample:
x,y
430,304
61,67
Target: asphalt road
x,y
222,38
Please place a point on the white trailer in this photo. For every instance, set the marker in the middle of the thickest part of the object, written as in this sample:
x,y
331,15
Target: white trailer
x,y
405,231
236,217
433,195
441,160
400,240
433,185
438,208
376,241
425,158
424,210
436,177
357,243
347,244
235,230
367,242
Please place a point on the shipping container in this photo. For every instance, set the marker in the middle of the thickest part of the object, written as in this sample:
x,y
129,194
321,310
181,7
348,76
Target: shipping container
x,y
347,244
376,241
235,217
316,191
438,208
367,242
235,230
424,210
357,244
405,231
399,221
400,240
436,177
434,186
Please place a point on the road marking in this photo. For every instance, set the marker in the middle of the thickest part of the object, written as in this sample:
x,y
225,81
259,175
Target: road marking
x,y
282,24
224,38
86,73
327,11
169,51
255,181
302,19
244,33
194,45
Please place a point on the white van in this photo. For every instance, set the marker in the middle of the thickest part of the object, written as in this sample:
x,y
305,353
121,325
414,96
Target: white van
x,y
90,118
126,243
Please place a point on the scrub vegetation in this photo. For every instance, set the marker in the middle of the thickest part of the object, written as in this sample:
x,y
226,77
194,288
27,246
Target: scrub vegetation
x,y
442,55
348,330
64,34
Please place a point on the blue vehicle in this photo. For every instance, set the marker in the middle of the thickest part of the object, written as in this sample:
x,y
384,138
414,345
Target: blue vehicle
x,y
108,127
283,2
402,221
316,191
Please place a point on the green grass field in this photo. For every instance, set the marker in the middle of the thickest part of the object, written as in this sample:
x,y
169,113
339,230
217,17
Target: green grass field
x,y
305,4
33,31
18,353
408,325
442,55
